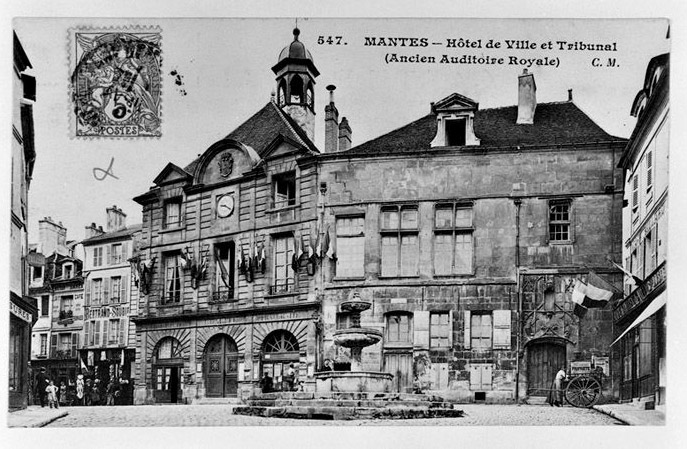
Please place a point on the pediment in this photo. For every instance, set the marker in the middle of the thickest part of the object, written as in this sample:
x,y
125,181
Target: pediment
x,y
454,103
281,146
171,173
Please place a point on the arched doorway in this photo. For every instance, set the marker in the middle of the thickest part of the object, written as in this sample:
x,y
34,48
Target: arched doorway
x,y
167,366
279,349
544,359
221,367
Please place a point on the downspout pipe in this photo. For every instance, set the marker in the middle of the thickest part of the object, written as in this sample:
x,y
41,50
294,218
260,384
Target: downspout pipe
x,y
517,203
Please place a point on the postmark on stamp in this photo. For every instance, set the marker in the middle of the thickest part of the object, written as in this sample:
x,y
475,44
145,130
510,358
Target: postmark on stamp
x,y
116,83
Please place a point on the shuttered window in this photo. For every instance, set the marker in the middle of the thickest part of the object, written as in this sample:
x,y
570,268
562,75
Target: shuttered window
x,y
649,170
350,247
439,329
635,193
480,376
400,243
502,329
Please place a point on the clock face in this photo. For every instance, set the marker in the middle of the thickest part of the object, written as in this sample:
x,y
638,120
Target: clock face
x,y
225,206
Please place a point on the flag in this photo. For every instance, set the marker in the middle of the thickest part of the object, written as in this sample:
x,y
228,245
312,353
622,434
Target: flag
x,y
296,256
83,365
256,257
263,259
224,273
301,249
632,279
586,296
331,252
184,260
325,243
241,260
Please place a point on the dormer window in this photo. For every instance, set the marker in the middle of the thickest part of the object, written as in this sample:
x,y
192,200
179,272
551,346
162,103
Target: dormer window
x,y
68,271
455,132
455,122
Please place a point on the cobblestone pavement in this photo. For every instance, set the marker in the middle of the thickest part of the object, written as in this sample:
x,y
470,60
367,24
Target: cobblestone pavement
x,y
220,415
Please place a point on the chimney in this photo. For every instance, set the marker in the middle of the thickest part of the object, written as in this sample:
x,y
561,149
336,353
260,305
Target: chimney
x,y
527,98
92,231
570,98
52,236
116,219
331,124
344,135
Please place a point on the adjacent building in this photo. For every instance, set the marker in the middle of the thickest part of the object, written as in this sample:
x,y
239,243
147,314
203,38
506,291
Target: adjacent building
x,y
468,230
22,307
108,342
640,318
57,284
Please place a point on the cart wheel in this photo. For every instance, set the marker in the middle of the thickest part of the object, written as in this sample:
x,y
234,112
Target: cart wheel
x,y
583,391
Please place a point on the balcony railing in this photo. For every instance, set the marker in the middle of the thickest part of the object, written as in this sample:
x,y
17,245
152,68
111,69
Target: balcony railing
x,y
223,294
282,287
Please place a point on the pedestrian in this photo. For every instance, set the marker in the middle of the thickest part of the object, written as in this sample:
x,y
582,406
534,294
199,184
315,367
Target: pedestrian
x,y
87,392
266,383
51,391
291,377
62,399
95,392
41,385
80,389
557,399
111,392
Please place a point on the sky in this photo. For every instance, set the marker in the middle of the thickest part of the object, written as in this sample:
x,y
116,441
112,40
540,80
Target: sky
x,y
225,68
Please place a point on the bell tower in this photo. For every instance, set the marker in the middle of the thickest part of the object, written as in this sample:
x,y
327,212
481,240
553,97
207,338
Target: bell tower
x,y
296,73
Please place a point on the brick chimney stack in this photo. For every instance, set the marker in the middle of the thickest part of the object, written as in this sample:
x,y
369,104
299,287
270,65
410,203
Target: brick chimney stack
x,y
527,98
344,135
92,231
52,236
331,124
116,219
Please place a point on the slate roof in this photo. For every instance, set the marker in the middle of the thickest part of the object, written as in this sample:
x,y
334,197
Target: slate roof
x,y
554,124
128,231
262,128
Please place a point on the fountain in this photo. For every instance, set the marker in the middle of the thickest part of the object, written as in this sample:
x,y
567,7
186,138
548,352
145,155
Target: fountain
x,y
355,338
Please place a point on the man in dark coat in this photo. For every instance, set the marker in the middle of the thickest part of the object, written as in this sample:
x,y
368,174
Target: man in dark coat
x,y
41,385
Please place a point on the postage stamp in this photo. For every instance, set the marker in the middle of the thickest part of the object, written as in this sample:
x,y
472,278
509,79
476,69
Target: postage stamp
x,y
116,83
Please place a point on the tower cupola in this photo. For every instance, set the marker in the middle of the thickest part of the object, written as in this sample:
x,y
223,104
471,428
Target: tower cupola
x,y
296,73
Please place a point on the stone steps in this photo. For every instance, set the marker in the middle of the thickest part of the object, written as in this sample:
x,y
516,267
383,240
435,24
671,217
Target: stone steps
x,y
347,413
344,403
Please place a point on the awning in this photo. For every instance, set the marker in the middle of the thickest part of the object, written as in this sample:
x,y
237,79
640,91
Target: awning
x,y
652,308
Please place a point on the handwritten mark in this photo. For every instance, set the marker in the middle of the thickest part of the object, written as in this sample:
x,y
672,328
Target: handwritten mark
x,y
105,173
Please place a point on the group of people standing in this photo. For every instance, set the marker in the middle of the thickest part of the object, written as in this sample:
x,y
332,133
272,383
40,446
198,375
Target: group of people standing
x,y
267,383
82,392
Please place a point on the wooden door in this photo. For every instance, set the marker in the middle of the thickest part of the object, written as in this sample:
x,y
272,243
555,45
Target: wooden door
x,y
221,362
543,362
401,366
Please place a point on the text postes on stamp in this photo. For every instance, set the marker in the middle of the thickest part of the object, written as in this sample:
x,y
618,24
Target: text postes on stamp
x,y
116,83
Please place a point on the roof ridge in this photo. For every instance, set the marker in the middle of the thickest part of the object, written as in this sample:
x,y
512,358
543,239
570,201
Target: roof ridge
x,y
295,128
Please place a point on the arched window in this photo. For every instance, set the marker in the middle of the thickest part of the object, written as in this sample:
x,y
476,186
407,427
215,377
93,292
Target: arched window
x,y
280,341
281,96
296,89
168,348
309,99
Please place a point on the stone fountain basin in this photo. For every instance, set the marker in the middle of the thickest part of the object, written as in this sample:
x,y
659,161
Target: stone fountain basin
x,y
353,381
355,306
357,337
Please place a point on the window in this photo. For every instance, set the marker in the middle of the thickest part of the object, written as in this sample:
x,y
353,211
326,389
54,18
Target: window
x,y
37,273
98,256
645,361
283,274
400,247
66,303
116,289
44,344
453,243
649,170
280,341
635,194
285,189
163,376
480,376
114,332
117,254
68,271
398,328
172,213
350,247
224,272
480,331
65,343
172,292
455,132
97,294
45,305
559,221
650,252
439,330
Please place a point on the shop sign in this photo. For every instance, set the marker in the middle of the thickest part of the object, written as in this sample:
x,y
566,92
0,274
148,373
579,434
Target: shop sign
x,y
603,363
107,312
577,368
19,312
641,294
